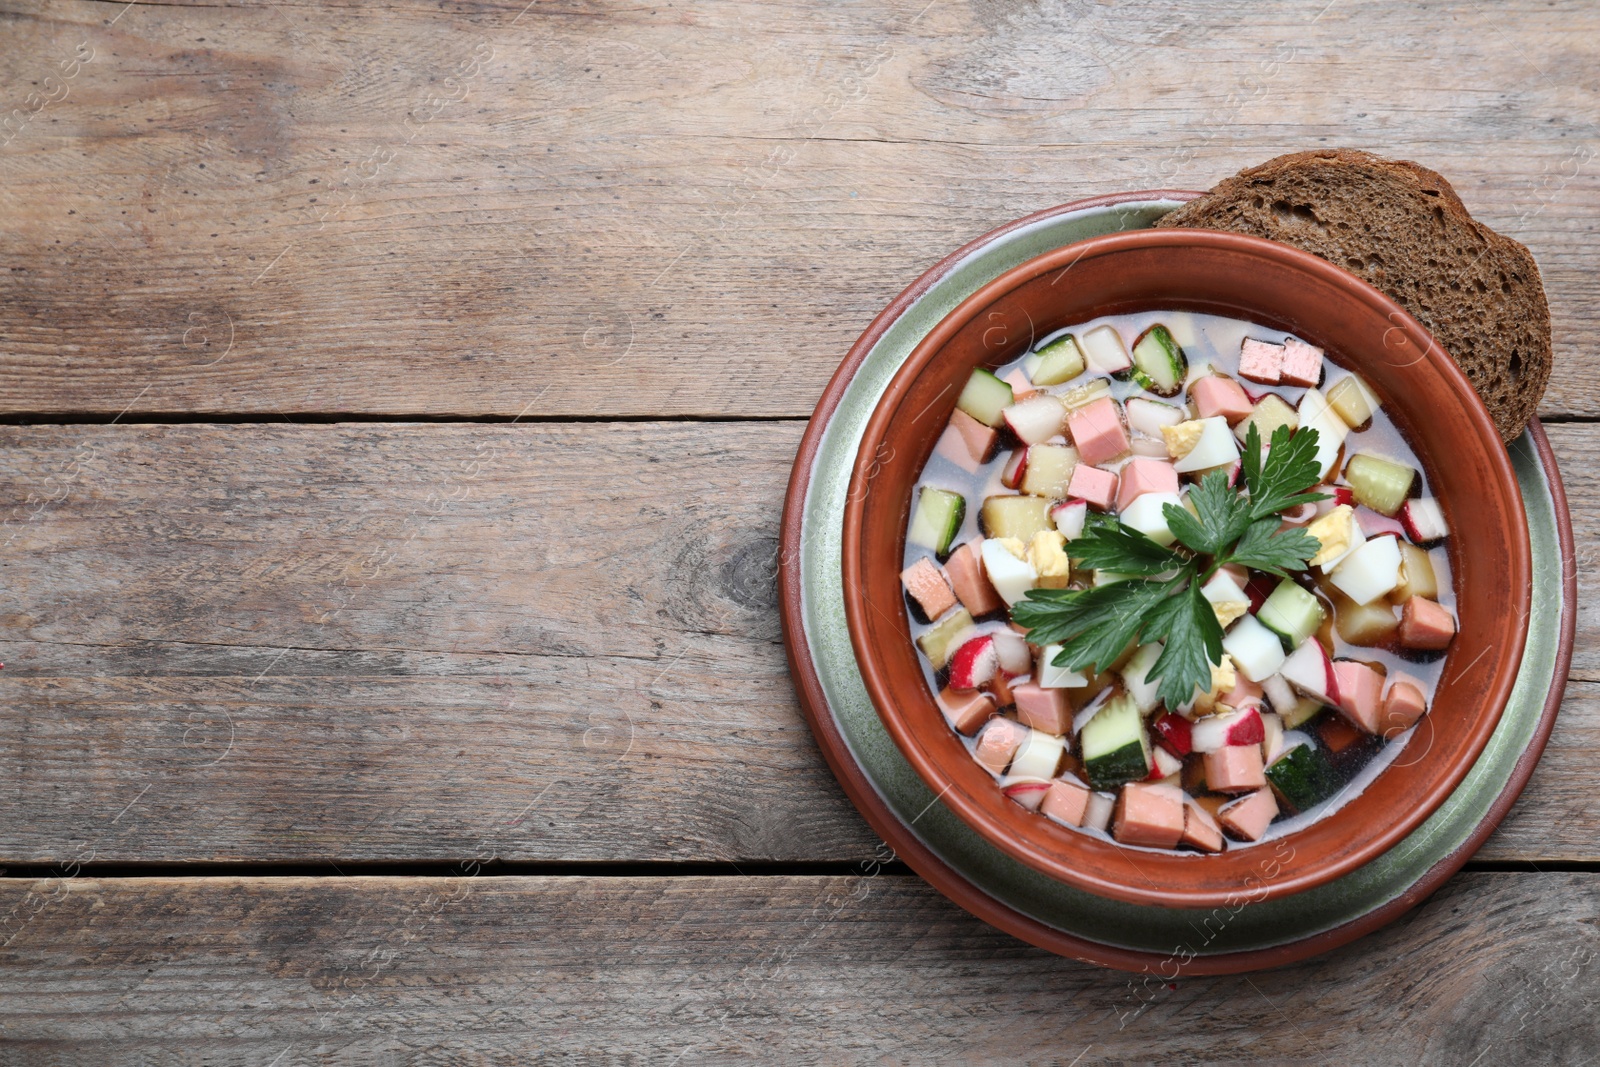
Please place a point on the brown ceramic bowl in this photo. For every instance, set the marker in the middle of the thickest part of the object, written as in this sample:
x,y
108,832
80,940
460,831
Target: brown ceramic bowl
x,y
1277,286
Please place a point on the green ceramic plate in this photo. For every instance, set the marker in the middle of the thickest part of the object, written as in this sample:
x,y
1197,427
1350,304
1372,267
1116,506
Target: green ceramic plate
x,y
956,859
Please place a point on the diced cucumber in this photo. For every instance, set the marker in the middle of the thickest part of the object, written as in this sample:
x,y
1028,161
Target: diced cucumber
x,y
984,397
1015,516
1135,677
1380,484
1353,400
1292,613
939,642
1115,746
1059,361
938,519
1301,712
1158,363
1302,778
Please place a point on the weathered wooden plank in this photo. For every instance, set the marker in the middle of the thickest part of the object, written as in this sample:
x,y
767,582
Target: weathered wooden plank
x,y
380,642
1495,968
645,211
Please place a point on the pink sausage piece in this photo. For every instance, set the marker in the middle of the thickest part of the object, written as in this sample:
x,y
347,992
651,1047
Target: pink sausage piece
x,y
1302,364
998,741
1043,709
1148,815
1402,707
926,582
1145,475
1248,817
1425,624
1360,693
1098,487
1066,802
1200,830
971,585
966,711
979,439
1235,769
1215,396
1261,361
1097,432
1244,694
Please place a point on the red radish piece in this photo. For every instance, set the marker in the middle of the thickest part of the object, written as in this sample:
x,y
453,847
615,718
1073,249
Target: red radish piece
x,y
1280,693
1165,764
974,663
1069,518
1036,419
1309,670
1423,520
1029,792
1235,728
1259,588
1174,733
1011,474
1013,652
1374,525
1343,494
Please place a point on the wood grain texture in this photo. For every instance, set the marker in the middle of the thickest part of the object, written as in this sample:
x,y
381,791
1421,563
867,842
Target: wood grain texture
x,y
453,642
590,209
791,970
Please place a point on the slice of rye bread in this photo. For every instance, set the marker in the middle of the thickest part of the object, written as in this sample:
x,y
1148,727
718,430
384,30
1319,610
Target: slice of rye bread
x,y
1402,228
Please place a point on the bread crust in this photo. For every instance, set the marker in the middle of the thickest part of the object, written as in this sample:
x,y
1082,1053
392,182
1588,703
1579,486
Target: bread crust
x,y
1402,228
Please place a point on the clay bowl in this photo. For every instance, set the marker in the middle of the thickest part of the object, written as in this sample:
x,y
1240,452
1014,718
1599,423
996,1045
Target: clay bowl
x,y
1360,328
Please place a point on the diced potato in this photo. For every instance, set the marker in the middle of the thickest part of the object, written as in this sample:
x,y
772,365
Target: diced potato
x,y
1353,400
1087,393
1363,624
1015,516
1417,577
1049,470
1271,411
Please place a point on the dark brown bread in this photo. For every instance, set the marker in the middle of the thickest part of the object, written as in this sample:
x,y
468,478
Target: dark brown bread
x,y
1402,228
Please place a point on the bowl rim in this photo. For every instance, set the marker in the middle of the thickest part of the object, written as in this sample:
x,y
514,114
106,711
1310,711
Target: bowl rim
x,y
1305,876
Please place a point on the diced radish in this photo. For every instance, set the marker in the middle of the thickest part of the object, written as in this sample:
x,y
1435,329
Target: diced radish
x,y
1036,419
1215,448
974,663
1011,473
1258,588
1013,653
1310,670
1222,589
1029,792
1280,694
1423,519
1370,571
1135,677
1374,525
1010,576
1272,737
1105,351
1148,416
1069,517
1256,650
1344,495
1235,728
1097,813
1049,676
1148,516
1039,756
1174,733
1144,446
1166,764
1316,414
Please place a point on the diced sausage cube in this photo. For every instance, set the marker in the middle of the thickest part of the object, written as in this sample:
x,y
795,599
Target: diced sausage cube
x,y
1200,829
1097,431
1148,815
1360,693
999,687
953,448
1144,475
979,439
1066,802
1043,709
1402,707
966,711
1215,396
1425,624
1244,694
1097,487
971,585
1235,769
1248,817
927,584
1261,361
998,742
1302,364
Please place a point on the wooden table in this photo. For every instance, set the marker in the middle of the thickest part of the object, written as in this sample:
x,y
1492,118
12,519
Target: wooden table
x,y
397,405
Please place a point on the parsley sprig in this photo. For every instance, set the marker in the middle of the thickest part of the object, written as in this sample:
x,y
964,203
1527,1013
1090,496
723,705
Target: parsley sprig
x,y
1162,600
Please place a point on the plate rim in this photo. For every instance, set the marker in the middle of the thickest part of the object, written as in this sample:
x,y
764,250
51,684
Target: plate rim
x,y
952,883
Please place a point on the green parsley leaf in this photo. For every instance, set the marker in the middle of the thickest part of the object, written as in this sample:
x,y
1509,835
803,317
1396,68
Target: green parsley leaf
x,y
1265,549
1290,469
1221,518
1193,642
1114,547
1095,625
